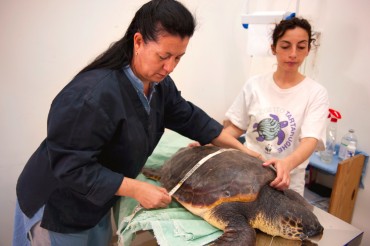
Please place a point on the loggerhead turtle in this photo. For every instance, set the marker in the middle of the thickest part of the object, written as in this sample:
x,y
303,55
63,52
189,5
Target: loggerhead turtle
x,y
231,191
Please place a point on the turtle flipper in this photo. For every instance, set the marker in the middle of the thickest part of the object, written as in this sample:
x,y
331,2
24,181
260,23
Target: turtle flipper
x,y
238,234
233,218
151,173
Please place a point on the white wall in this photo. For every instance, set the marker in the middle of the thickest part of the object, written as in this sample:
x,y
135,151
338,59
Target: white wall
x,y
44,43
343,63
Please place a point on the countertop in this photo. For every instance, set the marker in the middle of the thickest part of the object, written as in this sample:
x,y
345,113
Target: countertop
x,y
336,233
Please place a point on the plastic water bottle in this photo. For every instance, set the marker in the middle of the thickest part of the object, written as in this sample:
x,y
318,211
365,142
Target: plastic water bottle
x,y
351,150
331,136
349,136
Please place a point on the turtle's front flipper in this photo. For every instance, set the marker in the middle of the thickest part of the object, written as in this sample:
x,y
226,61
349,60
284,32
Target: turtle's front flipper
x,y
232,217
237,234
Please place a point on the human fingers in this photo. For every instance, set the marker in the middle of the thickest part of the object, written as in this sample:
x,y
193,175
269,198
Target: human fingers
x,y
280,184
261,158
151,196
258,156
162,198
281,181
194,144
166,196
269,162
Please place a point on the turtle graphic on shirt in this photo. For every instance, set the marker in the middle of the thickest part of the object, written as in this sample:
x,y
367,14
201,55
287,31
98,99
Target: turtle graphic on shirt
x,y
270,128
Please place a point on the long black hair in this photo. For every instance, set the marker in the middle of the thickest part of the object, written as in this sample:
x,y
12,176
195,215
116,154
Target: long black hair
x,y
152,19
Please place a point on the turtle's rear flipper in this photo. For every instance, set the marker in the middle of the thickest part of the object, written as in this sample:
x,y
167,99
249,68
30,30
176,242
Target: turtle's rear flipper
x,y
152,173
238,234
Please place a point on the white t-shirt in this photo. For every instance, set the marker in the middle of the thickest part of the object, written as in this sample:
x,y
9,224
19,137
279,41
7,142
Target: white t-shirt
x,y
276,119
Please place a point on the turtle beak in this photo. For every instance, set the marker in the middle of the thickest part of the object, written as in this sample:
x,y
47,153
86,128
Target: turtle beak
x,y
303,237
316,231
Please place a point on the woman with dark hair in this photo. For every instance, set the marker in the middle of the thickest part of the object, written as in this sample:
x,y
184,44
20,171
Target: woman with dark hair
x,y
103,126
283,113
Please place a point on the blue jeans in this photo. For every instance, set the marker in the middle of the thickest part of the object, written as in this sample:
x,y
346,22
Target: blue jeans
x,y
27,231
99,235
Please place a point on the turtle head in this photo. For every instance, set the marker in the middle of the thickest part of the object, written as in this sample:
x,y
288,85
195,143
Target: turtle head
x,y
312,226
300,225
287,215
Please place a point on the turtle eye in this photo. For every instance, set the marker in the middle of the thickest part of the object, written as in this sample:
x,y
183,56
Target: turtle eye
x,y
227,193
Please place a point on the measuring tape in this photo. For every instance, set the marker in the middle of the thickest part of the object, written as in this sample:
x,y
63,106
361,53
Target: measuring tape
x,y
187,175
191,171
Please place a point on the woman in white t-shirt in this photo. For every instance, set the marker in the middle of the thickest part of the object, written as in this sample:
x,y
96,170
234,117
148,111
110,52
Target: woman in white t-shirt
x,y
283,113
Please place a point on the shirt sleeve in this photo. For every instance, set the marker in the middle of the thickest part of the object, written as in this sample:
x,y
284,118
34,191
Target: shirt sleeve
x,y
77,131
238,111
314,124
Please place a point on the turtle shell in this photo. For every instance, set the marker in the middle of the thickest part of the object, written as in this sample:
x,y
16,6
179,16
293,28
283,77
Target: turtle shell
x,y
226,177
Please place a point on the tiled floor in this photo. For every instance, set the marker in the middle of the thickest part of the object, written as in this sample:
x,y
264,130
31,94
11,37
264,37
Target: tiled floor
x,y
316,200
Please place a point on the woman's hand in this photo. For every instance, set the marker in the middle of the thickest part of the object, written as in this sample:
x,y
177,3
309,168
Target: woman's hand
x,y
151,196
283,169
253,153
148,195
194,144
285,166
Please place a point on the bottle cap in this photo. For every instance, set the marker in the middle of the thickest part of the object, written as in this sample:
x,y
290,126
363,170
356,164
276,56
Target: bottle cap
x,y
334,115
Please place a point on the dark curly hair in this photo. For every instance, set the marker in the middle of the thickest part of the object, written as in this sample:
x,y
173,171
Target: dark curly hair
x,y
292,23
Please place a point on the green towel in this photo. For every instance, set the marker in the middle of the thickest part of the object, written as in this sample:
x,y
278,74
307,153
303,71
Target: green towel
x,y
171,226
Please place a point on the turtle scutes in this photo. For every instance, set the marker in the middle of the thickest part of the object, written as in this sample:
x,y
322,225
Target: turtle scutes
x,y
231,191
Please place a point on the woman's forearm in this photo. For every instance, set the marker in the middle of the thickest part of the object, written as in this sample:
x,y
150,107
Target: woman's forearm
x,y
305,149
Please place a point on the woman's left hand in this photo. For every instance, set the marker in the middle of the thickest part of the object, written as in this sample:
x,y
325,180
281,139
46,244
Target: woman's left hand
x,y
283,169
252,153
194,144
